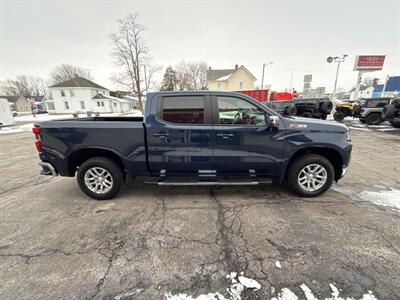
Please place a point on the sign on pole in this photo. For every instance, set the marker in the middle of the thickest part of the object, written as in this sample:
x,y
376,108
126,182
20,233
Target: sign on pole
x,y
369,62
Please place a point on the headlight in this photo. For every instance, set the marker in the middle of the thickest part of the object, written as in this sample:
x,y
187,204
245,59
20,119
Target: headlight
x,y
348,137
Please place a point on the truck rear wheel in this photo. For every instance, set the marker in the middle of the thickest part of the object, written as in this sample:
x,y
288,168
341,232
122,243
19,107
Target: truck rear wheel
x,y
310,175
100,178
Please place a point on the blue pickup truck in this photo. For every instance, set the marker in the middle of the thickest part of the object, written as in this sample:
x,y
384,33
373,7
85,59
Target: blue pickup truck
x,y
195,138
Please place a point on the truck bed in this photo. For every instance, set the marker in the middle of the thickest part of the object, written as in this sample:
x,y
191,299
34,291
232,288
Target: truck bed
x,y
68,139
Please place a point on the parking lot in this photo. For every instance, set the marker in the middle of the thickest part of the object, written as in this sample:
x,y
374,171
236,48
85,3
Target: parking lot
x,y
156,242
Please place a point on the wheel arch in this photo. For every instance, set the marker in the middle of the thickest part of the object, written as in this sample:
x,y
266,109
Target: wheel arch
x,y
79,156
330,154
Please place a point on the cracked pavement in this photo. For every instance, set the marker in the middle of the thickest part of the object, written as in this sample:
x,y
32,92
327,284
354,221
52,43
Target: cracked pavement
x,y
56,243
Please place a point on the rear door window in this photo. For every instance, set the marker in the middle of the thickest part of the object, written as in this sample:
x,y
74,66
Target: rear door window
x,y
184,110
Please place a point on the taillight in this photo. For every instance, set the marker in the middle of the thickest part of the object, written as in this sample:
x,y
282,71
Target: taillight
x,y
38,142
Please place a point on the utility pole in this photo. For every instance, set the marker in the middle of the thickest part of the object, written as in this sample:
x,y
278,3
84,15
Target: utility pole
x,y
262,78
337,60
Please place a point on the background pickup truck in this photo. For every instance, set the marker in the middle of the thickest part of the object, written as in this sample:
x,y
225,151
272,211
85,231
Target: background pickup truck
x,y
200,138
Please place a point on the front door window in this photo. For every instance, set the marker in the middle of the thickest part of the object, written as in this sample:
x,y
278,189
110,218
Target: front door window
x,y
236,111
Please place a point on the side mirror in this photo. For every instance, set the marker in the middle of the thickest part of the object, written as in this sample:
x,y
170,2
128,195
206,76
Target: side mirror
x,y
273,121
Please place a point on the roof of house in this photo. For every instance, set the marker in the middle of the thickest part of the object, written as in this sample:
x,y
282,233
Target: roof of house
x,y
78,81
216,74
12,99
224,74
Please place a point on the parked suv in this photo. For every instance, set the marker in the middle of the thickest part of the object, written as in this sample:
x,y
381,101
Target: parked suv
x,y
284,108
370,110
318,108
391,113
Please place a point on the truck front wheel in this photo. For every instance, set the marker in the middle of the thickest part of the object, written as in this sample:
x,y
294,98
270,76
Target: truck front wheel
x,y
310,175
100,178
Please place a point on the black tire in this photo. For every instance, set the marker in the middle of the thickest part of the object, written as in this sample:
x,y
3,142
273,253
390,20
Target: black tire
x,y
362,120
326,107
338,116
388,112
395,124
324,117
374,119
306,114
300,163
111,167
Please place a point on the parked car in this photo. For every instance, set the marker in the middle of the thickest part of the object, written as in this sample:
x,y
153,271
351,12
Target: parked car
x,y
370,110
195,138
284,108
318,108
343,110
391,113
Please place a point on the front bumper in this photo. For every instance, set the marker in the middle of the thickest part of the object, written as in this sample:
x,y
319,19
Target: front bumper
x,y
344,171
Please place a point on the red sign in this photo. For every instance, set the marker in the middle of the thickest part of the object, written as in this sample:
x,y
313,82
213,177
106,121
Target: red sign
x,y
369,62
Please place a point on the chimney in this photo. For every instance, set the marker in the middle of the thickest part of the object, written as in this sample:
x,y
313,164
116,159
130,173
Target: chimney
x,y
236,67
209,68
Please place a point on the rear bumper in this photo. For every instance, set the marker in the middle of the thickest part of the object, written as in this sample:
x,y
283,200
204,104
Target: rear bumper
x,y
47,169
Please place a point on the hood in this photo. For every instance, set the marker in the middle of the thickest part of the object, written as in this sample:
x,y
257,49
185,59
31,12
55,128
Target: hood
x,y
298,123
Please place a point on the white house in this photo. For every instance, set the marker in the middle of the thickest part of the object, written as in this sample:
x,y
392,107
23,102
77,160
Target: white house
x,y
80,95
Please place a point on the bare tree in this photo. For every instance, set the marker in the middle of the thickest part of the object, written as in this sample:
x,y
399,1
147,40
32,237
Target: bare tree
x,y
191,75
23,85
131,55
66,72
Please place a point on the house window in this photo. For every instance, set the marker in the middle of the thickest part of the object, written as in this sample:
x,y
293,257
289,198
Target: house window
x,y
219,84
62,93
98,103
97,91
241,85
83,105
71,93
66,106
184,109
102,103
115,104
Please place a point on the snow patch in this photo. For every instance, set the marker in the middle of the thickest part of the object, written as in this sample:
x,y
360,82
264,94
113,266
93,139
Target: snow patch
x,y
286,294
278,264
389,198
238,285
241,283
307,292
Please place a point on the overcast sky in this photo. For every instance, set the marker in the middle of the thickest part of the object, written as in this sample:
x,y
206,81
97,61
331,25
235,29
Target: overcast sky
x,y
297,35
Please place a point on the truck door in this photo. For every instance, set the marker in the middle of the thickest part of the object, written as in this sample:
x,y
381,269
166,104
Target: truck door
x,y
244,144
180,135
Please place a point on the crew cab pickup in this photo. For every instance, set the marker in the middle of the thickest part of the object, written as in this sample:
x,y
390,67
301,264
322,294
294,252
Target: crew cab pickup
x,y
195,138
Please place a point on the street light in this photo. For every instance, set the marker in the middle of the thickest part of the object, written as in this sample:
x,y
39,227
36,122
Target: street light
x,y
264,65
337,60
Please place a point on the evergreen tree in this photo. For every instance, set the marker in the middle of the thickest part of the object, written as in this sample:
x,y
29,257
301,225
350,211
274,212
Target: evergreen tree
x,y
169,81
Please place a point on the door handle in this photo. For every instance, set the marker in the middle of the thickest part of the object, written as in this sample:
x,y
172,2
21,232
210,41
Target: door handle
x,y
225,135
160,134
